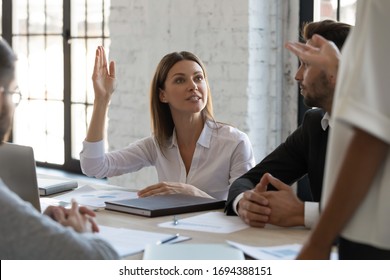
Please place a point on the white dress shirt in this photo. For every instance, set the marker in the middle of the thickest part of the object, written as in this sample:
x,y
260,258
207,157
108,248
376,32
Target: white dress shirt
x,y
222,154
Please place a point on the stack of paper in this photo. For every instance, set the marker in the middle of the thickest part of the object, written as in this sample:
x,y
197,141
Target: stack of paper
x,y
281,252
89,196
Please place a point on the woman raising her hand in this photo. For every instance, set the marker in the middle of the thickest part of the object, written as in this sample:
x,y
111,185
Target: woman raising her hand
x,y
192,153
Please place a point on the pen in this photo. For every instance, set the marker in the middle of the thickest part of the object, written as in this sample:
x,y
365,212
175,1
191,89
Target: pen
x,y
167,239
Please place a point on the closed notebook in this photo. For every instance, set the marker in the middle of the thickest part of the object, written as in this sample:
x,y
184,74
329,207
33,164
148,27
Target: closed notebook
x,y
163,205
53,186
192,251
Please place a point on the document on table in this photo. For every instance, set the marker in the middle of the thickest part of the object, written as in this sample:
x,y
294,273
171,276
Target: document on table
x,y
89,196
128,242
216,222
281,252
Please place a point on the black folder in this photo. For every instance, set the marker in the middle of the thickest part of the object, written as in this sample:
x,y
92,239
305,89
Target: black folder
x,y
164,205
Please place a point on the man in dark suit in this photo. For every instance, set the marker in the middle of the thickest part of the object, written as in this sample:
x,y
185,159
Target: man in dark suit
x,y
303,152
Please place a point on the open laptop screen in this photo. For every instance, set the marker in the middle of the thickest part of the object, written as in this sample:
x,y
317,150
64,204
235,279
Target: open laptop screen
x,y
17,170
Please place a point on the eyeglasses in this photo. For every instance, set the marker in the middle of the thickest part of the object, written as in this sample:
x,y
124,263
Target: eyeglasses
x,y
16,96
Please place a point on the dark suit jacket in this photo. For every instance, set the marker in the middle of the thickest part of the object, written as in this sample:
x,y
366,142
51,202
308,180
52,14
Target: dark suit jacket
x,y
302,153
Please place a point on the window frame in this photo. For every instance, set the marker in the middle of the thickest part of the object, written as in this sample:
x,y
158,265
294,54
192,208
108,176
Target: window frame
x,y
70,164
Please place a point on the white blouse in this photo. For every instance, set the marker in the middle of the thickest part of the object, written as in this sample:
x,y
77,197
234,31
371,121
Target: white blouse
x,y
222,154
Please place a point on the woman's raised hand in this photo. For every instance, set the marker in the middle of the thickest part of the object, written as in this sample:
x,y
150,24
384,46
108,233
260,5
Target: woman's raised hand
x,y
103,77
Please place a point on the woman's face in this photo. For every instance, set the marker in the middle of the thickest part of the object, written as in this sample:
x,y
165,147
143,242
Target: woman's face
x,y
185,88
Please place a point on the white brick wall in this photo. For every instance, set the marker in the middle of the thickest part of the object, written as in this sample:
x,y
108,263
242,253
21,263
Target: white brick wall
x,y
241,44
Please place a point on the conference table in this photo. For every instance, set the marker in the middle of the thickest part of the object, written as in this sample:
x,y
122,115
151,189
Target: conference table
x,y
268,236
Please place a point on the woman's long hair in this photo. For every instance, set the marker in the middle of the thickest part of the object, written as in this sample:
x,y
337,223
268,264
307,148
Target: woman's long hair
x,y
7,75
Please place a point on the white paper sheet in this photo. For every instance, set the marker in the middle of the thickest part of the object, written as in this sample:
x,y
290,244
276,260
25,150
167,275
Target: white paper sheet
x,y
216,222
89,196
128,242
281,252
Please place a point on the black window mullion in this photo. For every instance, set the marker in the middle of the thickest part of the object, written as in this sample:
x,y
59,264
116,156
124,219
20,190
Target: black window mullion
x,y
67,87
306,11
6,18
338,10
103,24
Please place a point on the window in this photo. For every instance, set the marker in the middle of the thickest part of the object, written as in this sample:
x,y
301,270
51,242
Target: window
x,y
315,10
341,10
55,42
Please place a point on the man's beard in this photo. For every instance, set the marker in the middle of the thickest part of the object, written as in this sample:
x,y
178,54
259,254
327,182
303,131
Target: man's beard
x,y
314,102
323,93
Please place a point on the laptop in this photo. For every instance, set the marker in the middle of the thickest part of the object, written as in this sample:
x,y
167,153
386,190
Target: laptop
x,y
17,170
